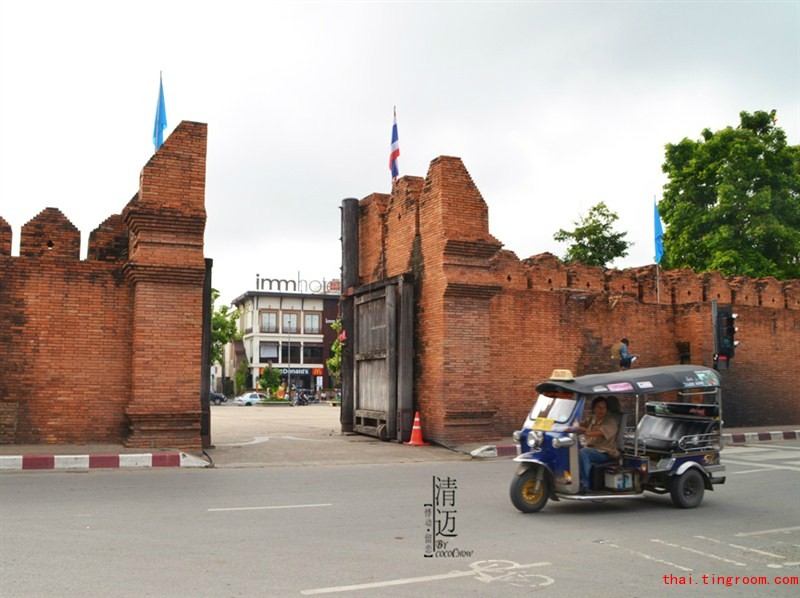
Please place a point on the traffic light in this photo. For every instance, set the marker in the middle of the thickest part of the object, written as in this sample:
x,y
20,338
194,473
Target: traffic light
x,y
726,332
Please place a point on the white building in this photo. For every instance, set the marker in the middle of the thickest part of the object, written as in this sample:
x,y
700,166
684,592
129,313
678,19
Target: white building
x,y
290,331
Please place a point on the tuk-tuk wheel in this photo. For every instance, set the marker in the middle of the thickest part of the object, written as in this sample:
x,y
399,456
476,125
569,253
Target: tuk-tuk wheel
x,y
687,489
529,494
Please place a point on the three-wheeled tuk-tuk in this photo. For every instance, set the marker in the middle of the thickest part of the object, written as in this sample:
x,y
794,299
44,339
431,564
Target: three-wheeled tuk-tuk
x,y
674,447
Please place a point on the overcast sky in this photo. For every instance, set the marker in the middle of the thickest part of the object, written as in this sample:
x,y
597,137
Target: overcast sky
x,y
552,106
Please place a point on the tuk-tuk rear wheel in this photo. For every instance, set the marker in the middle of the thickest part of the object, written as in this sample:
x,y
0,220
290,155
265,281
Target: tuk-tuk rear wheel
x,y
528,493
687,489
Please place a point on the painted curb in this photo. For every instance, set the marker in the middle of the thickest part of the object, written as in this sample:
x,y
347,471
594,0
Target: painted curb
x,y
113,461
491,451
742,438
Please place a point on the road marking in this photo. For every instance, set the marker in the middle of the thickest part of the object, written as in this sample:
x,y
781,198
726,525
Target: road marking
x,y
481,571
269,508
700,552
263,439
256,440
765,465
777,556
767,531
782,565
648,557
749,471
746,449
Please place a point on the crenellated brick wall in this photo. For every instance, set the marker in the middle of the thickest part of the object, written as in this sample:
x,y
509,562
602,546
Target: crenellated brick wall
x,y
108,349
490,326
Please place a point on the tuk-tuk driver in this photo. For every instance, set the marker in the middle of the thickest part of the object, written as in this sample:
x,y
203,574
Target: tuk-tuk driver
x,y
600,445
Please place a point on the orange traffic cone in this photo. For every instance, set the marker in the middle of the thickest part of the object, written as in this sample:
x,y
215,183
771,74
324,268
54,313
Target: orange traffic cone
x,y
416,433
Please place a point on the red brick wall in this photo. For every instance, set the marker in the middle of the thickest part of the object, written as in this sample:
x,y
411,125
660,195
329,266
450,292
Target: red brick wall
x,y
489,326
5,237
108,349
66,349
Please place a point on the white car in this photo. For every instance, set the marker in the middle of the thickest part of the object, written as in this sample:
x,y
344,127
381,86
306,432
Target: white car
x,y
250,398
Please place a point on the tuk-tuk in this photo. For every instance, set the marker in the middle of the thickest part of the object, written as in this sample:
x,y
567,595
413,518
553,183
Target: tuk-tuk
x,y
673,446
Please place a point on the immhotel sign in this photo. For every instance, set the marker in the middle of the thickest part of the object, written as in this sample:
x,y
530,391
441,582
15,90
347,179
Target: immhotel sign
x,y
287,285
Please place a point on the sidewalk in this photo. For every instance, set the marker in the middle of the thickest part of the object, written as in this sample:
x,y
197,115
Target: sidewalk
x,y
289,436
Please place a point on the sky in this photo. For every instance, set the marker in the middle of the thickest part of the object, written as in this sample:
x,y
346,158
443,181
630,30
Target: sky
x,y
552,106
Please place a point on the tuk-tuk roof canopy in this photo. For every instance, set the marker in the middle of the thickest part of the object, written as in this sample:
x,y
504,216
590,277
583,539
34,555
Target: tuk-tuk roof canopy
x,y
638,381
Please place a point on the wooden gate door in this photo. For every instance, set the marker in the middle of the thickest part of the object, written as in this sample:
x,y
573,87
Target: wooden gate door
x,y
383,349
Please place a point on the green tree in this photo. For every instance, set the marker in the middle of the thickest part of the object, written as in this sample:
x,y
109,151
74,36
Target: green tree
x,y
334,363
242,376
270,379
594,243
732,202
223,328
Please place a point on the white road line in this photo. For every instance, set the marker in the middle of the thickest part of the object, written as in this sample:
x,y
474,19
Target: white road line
x,y
263,439
650,558
793,564
770,554
700,552
748,470
474,570
766,465
269,508
768,531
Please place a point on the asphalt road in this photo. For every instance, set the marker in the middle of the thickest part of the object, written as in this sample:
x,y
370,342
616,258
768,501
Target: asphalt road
x,y
360,530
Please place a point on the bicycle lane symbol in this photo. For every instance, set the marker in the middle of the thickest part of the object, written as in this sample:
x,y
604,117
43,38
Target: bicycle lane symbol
x,y
511,573
493,571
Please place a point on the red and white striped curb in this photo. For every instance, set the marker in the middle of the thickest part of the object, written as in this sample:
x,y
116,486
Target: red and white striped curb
x,y
123,461
490,451
741,438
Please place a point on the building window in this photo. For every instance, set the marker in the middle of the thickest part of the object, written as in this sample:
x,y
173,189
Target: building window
x,y
290,353
267,352
312,353
312,323
269,321
289,322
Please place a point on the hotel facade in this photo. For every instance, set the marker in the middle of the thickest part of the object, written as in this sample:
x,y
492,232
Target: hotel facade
x,y
289,331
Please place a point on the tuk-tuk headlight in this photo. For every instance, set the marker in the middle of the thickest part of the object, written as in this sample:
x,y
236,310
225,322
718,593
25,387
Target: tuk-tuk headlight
x,y
535,438
563,441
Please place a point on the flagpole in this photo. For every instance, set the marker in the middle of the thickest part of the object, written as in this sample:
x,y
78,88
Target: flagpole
x,y
658,286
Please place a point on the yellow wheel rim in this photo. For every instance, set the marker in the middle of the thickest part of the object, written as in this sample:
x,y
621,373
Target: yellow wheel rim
x,y
532,491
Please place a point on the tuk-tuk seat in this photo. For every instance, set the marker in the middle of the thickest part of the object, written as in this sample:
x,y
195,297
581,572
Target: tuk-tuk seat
x,y
664,434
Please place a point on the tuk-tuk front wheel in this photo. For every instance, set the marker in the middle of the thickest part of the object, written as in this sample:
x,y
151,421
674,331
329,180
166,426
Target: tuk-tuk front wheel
x,y
528,493
687,489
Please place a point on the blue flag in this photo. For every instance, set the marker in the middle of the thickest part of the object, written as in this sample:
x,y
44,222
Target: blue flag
x,y
161,117
659,234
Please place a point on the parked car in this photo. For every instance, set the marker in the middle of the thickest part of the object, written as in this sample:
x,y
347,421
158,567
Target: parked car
x,y
217,398
249,399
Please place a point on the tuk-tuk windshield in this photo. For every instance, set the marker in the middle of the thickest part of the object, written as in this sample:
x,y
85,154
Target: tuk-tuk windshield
x,y
556,406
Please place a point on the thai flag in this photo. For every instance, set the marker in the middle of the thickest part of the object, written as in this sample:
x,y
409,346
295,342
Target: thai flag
x,y
395,153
